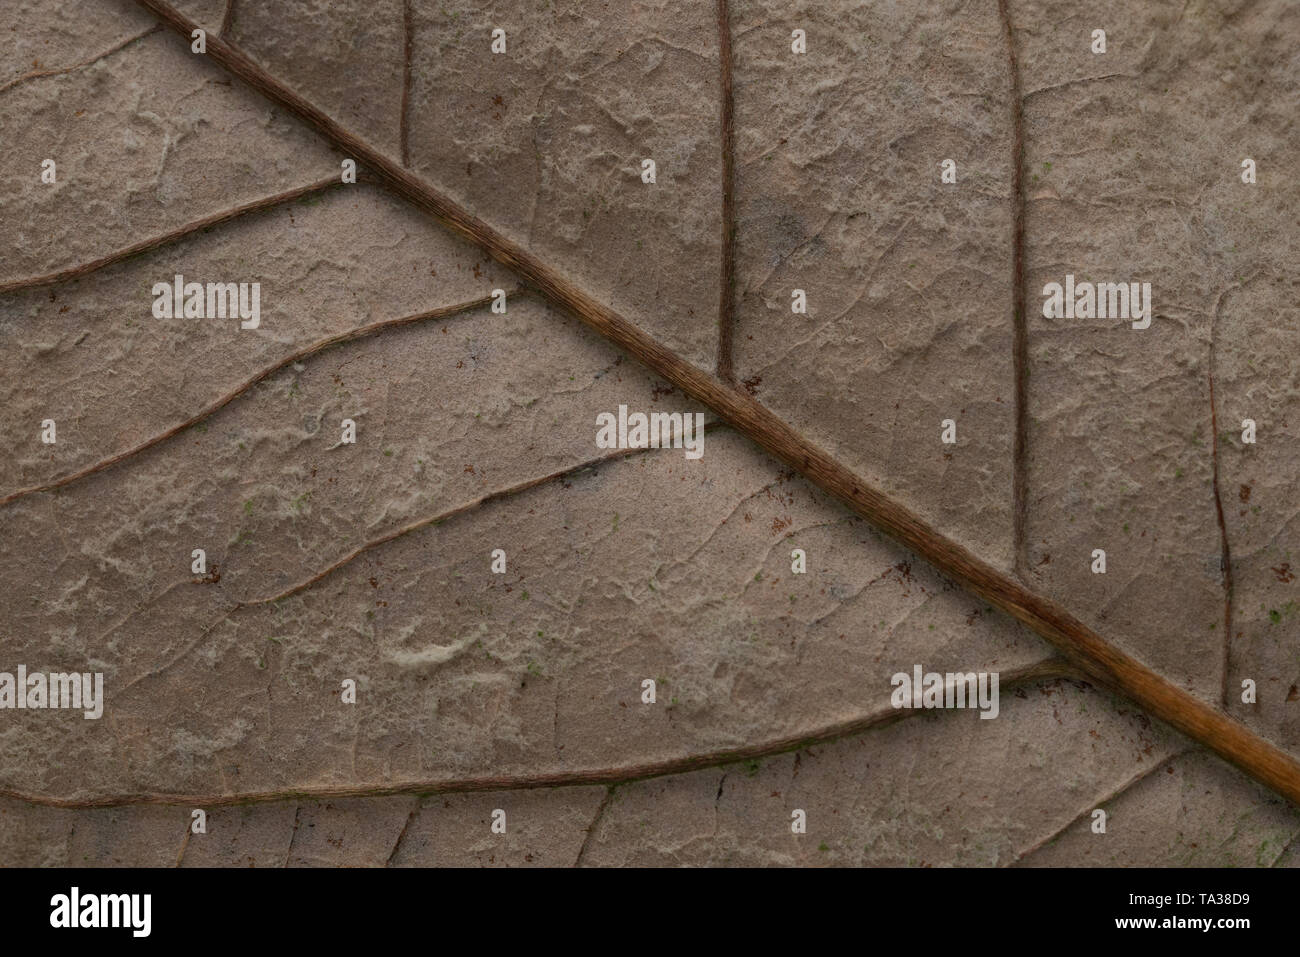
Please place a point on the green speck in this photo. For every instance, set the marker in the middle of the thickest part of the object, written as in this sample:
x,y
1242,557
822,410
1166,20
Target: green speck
x,y
388,452
1274,615
823,846
1261,855
1126,526
525,594
248,507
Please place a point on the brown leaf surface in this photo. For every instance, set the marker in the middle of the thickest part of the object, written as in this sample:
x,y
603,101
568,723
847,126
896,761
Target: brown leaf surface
x,y
521,691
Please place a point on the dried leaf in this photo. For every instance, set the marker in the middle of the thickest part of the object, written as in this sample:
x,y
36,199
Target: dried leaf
x,y
522,692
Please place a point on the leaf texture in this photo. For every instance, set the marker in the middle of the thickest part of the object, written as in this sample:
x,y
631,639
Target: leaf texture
x,y
521,691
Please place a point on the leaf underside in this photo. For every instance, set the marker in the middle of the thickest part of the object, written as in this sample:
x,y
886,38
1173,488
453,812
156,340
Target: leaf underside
x,y
775,171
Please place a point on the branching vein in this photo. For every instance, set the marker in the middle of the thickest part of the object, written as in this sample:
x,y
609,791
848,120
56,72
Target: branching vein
x,y
307,351
145,245
1049,669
